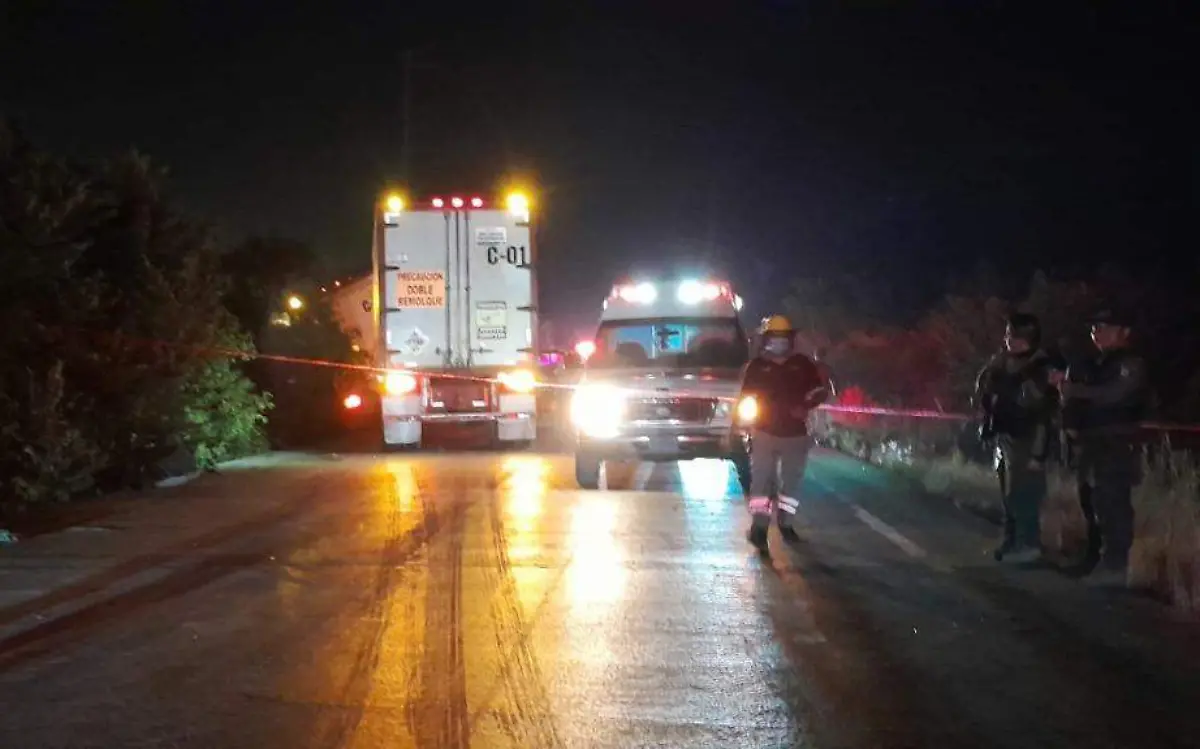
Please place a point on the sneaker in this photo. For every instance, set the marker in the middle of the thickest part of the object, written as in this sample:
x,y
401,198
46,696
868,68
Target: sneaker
x,y
789,534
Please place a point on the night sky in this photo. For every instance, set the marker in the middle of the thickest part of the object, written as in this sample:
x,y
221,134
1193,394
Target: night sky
x,y
898,141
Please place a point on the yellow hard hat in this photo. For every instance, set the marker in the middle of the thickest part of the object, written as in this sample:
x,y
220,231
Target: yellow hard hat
x,y
776,324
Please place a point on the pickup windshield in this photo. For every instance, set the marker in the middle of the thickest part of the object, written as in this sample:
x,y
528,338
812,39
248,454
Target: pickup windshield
x,y
677,343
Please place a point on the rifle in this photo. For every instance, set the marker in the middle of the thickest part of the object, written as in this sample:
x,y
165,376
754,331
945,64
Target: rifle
x,y
1069,421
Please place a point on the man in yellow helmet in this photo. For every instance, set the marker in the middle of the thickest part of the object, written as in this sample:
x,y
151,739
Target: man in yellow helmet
x,y
785,386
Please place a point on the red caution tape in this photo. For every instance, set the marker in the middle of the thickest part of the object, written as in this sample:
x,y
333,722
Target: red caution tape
x,y
835,408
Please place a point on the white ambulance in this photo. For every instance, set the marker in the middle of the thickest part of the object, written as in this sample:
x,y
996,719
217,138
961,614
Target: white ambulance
x,y
661,377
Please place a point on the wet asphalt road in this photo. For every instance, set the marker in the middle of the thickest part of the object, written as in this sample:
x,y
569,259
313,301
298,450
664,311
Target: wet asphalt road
x,y
481,600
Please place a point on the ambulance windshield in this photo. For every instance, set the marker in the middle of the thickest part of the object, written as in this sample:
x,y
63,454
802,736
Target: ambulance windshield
x,y
677,343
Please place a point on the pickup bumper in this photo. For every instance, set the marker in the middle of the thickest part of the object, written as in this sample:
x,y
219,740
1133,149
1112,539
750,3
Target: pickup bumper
x,y
663,446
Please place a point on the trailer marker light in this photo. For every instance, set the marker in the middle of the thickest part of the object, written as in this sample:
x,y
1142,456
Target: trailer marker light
x,y
518,206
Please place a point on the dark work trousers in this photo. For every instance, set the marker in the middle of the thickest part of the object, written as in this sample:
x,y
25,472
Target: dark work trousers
x,y
776,465
1107,469
1023,490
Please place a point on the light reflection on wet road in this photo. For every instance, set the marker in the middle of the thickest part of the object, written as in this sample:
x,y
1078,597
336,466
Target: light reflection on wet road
x,y
482,601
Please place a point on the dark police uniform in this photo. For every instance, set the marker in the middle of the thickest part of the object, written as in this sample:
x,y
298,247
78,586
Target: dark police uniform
x,y
1104,405
1018,403
786,392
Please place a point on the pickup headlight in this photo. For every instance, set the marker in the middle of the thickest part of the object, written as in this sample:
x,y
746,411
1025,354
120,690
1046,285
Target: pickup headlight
x,y
747,410
597,410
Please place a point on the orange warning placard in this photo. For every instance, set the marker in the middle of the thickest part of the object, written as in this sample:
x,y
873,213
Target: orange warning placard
x,y
421,289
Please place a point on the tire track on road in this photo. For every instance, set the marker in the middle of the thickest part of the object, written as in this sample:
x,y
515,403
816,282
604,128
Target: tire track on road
x,y
396,558
68,629
437,713
528,717
140,563
58,633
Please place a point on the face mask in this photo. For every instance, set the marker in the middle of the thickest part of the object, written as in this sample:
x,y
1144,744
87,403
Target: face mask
x,y
777,346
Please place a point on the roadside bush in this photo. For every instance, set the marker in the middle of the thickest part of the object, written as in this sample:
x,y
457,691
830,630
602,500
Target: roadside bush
x,y
43,456
223,411
113,335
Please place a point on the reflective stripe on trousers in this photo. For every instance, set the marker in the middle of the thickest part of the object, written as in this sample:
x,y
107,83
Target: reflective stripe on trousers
x,y
777,466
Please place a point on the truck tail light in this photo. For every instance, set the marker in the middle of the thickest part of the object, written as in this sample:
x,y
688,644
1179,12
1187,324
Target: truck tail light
x,y
519,381
399,383
352,401
585,349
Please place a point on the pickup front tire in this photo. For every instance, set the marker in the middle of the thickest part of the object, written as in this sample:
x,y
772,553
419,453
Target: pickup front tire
x,y
587,471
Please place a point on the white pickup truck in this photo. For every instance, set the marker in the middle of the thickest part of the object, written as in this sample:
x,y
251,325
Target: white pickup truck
x,y
661,378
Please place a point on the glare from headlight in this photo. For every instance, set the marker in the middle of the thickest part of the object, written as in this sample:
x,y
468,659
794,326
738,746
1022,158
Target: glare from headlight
x,y
747,410
596,410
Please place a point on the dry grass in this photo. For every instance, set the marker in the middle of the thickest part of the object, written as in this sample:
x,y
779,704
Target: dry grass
x,y
1166,548
1063,527
969,485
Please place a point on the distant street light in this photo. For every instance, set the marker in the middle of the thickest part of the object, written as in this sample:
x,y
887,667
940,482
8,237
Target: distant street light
x,y
295,303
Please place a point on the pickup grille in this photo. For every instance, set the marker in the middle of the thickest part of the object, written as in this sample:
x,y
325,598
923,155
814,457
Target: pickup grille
x,y
458,396
688,410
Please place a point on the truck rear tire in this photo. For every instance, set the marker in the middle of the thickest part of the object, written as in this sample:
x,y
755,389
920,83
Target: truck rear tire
x,y
587,471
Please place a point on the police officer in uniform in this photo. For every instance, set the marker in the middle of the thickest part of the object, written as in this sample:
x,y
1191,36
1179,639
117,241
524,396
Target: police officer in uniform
x,y
1107,401
785,386
1017,403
